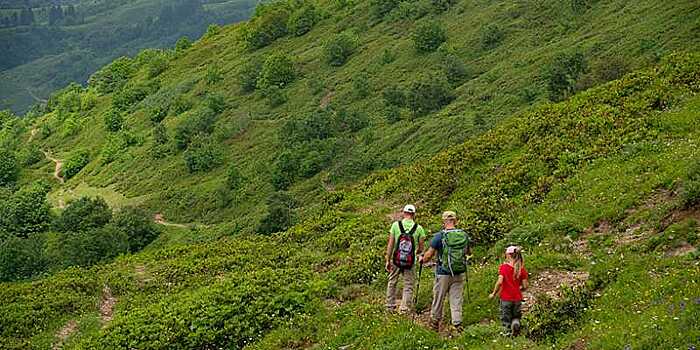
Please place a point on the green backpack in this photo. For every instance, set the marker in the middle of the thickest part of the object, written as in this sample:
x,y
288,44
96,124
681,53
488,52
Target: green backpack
x,y
454,251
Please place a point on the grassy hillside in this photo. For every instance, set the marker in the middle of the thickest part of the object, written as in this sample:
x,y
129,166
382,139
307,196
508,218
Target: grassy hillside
x,y
287,186
48,54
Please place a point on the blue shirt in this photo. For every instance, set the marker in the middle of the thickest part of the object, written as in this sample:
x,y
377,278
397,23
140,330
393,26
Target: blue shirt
x,y
436,243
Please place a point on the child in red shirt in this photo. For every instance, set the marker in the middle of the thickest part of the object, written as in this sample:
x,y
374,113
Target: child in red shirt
x,y
512,279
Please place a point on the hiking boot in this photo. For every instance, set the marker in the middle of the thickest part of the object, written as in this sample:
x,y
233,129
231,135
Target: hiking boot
x,y
515,327
435,325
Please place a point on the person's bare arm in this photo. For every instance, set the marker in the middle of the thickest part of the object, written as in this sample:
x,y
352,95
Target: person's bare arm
x,y
389,249
525,285
421,245
428,255
497,287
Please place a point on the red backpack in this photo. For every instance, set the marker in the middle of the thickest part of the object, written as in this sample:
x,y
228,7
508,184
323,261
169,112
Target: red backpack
x,y
405,248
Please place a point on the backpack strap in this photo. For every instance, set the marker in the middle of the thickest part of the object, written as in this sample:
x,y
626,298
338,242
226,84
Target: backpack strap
x,y
401,228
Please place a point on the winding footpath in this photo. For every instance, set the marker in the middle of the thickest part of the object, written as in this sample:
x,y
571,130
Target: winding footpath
x,y
57,168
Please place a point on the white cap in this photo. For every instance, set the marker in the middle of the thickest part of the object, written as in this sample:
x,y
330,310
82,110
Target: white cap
x,y
512,249
409,208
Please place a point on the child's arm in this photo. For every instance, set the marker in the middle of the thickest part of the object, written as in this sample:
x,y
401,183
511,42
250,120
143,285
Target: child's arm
x,y
497,287
525,285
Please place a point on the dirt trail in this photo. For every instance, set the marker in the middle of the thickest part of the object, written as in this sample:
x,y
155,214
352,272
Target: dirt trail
x,y
549,283
160,220
63,334
107,305
32,134
57,168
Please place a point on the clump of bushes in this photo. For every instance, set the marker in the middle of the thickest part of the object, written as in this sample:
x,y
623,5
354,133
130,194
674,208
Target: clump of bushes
x,y
130,94
269,24
84,214
429,93
563,73
113,76
302,20
24,212
428,36
113,120
360,85
9,169
277,70
75,163
248,75
491,36
202,155
691,186
339,48
280,213
199,122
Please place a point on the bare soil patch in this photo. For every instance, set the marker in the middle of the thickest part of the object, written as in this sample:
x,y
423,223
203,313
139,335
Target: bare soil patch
x,y
549,283
107,305
63,334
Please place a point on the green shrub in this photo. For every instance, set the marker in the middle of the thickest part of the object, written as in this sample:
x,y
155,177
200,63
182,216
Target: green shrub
x,y
200,122
75,163
138,227
690,192
113,120
352,121
28,156
302,20
380,8
84,214
360,85
392,114
454,68
157,114
442,5
216,103
274,95
113,147
9,169
280,213
491,35
234,178
25,212
160,134
563,73
157,65
394,96
214,74
428,36
277,70
339,48
183,44
181,105
212,30
22,258
388,56
248,75
411,10
262,30
129,95
87,248
113,76
202,155
429,93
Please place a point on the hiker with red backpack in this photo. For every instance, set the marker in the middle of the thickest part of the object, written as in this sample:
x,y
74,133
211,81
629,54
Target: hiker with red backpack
x,y
512,280
451,245
405,243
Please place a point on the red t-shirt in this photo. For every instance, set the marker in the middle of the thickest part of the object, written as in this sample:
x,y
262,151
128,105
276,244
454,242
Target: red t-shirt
x,y
510,289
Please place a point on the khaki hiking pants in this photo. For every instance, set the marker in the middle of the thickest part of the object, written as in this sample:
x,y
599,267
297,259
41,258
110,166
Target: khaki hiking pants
x,y
452,287
391,290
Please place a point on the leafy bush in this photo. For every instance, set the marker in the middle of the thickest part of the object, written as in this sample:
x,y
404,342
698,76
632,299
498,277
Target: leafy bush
x,y
75,163
214,74
302,20
562,73
28,156
262,30
202,155
160,134
411,10
181,105
277,70
691,187
138,227
129,95
380,8
455,70
9,169
22,258
442,5
26,211
275,96
86,248
234,178
113,120
352,121
113,147
428,36
200,122
360,85
84,214
280,213
392,114
216,103
429,93
113,76
157,65
157,114
339,48
248,75
183,44
394,96
491,36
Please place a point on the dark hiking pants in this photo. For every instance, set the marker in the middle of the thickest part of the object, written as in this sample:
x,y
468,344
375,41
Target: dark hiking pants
x,y
510,310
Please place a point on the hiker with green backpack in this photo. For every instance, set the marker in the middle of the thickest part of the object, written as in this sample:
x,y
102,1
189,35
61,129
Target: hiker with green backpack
x,y
451,245
405,242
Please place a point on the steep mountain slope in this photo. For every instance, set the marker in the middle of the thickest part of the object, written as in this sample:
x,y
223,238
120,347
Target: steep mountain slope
x,y
50,52
601,188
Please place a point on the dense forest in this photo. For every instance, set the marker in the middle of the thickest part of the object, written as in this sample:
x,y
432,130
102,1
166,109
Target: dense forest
x,y
236,191
48,44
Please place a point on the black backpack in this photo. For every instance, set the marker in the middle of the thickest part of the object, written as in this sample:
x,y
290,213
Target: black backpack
x,y
404,250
